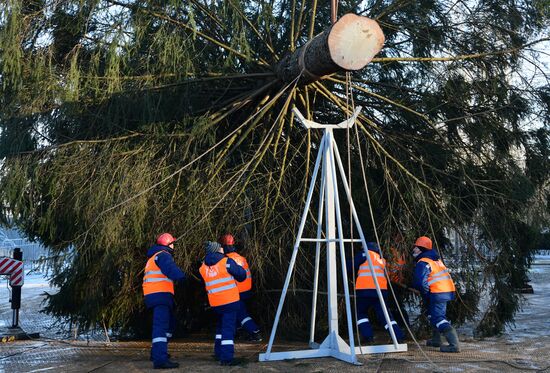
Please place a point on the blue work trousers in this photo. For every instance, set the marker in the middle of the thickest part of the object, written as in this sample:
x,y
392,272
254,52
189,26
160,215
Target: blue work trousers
x,y
244,320
394,307
363,322
164,323
225,335
436,315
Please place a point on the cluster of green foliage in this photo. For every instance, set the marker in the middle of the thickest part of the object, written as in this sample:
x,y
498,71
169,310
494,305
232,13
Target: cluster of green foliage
x,y
122,119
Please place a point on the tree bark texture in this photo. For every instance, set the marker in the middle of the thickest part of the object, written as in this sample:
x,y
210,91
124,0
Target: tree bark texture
x,y
349,44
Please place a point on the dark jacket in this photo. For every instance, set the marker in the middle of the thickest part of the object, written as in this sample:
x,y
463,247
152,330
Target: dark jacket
x,y
169,268
229,249
232,249
235,270
359,259
420,278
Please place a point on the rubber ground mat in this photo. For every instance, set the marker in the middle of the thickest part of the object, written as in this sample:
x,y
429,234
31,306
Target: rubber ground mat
x,y
492,355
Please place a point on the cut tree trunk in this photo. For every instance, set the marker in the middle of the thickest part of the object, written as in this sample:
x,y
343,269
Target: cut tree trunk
x,y
349,44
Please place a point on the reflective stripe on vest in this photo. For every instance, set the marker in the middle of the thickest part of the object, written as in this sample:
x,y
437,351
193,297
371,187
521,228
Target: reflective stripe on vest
x,y
223,288
219,281
154,281
246,285
152,273
440,276
439,279
220,286
365,278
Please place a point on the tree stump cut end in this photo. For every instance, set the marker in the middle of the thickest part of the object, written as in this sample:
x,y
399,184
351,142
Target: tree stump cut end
x,y
354,41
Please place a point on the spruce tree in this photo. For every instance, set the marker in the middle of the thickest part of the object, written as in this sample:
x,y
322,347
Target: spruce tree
x,y
122,119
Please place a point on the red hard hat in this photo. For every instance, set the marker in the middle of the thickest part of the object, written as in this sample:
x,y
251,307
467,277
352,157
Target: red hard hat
x,y
424,242
227,239
166,239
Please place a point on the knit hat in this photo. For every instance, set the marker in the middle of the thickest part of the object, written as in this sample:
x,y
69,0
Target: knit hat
x,y
373,246
211,247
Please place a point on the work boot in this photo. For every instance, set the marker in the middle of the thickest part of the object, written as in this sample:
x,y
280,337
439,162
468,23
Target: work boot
x,y
398,333
368,340
166,365
255,337
452,338
436,339
231,363
151,357
241,334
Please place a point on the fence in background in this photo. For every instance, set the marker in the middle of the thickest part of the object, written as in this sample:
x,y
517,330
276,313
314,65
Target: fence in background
x,y
32,251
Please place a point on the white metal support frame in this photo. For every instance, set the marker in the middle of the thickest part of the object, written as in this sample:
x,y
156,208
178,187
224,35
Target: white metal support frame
x,y
333,345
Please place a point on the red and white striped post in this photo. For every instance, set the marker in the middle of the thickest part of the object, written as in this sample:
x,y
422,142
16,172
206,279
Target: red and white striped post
x,y
14,268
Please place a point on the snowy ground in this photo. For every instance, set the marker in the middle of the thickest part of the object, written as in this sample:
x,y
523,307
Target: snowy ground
x,y
32,295
533,320
31,319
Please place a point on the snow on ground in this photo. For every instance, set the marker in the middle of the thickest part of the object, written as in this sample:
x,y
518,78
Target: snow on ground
x,y
32,295
534,318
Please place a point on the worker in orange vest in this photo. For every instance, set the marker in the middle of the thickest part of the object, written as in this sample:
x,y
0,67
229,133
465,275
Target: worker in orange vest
x,y
395,268
434,282
220,275
245,289
158,288
367,296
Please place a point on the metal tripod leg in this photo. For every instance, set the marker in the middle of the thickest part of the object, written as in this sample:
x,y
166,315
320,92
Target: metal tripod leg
x,y
295,250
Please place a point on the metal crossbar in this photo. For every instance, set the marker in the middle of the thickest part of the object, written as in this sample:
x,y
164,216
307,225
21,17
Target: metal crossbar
x,y
329,240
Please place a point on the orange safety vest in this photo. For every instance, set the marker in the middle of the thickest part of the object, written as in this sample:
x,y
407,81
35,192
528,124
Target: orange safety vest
x,y
154,281
396,267
246,285
439,279
220,285
365,279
